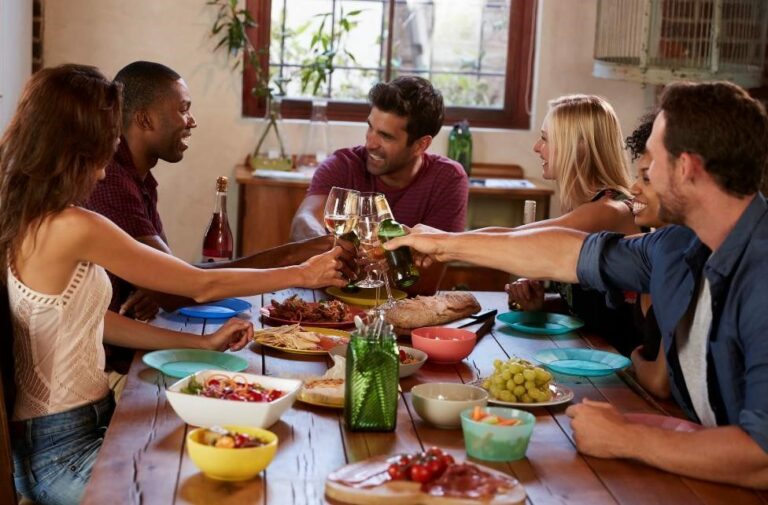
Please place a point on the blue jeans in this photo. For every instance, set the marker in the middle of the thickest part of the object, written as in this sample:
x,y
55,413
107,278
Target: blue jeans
x,y
54,455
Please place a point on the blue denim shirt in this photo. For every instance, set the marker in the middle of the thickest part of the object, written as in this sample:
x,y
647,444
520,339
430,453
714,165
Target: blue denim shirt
x,y
669,264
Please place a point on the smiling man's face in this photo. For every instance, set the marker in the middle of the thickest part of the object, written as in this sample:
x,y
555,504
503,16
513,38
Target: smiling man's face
x,y
386,141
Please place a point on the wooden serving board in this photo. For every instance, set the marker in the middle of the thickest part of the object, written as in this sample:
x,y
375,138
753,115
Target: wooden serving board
x,y
405,492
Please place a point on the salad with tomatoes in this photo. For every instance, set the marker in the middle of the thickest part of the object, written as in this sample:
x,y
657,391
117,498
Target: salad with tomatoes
x,y
235,388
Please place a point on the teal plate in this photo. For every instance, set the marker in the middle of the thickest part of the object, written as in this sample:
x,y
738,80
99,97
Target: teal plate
x,y
540,323
182,362
584,362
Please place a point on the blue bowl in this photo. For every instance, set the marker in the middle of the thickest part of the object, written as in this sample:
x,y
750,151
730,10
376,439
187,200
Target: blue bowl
x,y
491,442
583,362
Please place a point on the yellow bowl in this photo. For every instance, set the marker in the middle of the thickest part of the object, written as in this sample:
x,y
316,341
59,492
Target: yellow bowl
x,y
232,464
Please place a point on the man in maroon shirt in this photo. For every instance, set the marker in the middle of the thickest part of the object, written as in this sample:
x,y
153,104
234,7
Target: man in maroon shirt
x,y
406,114
157,124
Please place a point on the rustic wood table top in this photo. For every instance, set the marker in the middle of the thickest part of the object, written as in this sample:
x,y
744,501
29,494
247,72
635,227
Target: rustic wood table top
x,y
144,461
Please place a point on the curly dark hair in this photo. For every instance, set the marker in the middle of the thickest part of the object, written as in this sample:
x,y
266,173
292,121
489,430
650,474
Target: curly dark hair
x,y
720,122
637,140
413,98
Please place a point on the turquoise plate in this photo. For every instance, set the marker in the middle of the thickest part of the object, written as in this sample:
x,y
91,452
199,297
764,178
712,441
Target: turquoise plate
x,y
584,362
182,362
540,323
220,309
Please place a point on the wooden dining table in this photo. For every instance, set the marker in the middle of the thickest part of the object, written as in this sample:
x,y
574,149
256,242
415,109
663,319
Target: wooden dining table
x,y
144,460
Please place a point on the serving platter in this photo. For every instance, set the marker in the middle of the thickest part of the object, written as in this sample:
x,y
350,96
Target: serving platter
x,y
335,337
560,394
268,318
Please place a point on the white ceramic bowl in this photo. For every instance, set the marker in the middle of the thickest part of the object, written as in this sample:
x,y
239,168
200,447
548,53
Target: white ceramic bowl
x,y
204,411
405,370
441,403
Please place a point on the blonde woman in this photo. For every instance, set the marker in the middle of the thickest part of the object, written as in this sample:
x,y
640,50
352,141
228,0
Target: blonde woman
x,y
581,148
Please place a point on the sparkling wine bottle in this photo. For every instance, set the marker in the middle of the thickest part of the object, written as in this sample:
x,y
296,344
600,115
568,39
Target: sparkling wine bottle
x,y
217,244
401,266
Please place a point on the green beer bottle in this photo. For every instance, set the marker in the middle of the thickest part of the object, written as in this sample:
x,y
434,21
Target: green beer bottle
x,y
352,238
404,272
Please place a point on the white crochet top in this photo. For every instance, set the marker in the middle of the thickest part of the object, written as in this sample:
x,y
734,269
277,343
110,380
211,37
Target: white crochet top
x,y
58,350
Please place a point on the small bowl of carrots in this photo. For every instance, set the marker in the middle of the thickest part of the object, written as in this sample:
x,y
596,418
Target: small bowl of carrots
x,y
497,433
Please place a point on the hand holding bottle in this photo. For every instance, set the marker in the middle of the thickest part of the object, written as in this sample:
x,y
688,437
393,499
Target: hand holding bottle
x,y
426,242
323,270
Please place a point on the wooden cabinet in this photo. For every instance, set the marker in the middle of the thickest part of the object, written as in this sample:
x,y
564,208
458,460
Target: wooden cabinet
x,y
267,206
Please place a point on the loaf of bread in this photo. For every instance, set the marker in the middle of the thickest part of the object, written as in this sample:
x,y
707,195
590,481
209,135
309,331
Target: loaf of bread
x,y
432,310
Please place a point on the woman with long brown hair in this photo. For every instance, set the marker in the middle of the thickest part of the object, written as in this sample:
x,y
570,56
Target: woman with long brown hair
x,y
53,255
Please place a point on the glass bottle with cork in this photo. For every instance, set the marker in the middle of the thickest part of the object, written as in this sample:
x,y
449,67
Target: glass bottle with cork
x,y
370,386
403,270
218,242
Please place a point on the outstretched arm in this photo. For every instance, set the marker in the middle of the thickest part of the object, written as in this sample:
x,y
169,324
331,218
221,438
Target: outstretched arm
x,y
99,241
550,253
308,221
126,332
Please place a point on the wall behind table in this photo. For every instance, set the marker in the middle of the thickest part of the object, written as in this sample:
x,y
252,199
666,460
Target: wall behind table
x,y
112,33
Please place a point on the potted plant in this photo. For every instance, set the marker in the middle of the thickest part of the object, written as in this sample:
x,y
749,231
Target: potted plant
x,y
326,47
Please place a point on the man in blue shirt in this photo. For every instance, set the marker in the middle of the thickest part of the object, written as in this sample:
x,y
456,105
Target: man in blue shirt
x,y
707,277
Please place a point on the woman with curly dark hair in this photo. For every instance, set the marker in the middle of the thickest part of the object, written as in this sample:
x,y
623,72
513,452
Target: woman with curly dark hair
x,y
648,358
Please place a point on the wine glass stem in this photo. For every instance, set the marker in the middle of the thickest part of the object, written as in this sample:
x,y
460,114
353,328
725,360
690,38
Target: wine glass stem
x,y
390,298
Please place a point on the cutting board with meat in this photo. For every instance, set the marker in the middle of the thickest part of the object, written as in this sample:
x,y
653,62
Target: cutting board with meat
x,y
428,478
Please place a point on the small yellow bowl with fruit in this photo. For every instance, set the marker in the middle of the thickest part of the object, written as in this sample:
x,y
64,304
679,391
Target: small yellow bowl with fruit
x,y
231,452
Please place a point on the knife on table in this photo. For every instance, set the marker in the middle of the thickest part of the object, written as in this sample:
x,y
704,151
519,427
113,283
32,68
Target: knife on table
x,y
473,319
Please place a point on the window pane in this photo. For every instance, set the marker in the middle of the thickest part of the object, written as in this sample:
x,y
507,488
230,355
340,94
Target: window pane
x,y
461,45
352,84
295,23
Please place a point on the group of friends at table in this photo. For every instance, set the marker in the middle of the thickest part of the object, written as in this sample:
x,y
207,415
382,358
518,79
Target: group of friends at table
x,y
670,268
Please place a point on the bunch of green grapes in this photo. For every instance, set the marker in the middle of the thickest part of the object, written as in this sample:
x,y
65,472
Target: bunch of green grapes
x,y
518,380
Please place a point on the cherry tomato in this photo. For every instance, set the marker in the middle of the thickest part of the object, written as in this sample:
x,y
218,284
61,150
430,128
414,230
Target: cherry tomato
x,y
420,473
403,356
447,459
397,472
436,451
241,440
436,466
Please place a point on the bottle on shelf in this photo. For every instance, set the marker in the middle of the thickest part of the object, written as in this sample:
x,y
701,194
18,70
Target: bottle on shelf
x,y
218,242
529,211
316,143
460,145
403,270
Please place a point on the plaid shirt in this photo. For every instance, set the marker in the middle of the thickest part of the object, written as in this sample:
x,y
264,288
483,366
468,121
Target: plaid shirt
x,y
130,203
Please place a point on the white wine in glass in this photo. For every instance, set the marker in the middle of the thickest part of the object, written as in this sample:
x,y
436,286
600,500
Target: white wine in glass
x,y
367,232
341,211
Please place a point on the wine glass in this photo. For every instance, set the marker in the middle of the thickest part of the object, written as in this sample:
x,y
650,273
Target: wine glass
x,y
341,211
367,232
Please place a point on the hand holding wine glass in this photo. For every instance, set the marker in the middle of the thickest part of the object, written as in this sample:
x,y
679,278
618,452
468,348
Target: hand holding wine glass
x,y
341,211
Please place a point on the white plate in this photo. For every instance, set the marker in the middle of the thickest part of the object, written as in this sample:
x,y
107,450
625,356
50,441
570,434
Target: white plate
x,y
560,394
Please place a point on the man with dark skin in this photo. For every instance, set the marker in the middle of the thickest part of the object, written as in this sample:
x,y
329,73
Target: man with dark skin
x,y
157,125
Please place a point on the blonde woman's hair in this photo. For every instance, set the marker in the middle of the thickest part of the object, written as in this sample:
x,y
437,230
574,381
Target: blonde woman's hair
x,y
586,149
